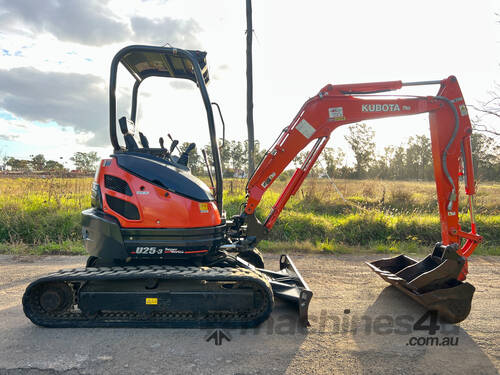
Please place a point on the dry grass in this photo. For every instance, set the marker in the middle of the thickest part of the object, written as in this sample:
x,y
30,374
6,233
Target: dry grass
x,y
375,214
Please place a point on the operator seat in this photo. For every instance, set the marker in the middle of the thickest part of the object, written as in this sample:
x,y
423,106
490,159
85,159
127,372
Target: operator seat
x,y
133,139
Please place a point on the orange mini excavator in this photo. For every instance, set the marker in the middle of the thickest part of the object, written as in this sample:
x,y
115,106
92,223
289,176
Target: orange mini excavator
x,y
162,252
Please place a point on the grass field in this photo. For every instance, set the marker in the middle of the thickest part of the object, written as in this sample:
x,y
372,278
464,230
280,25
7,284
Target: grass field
x,y
42,216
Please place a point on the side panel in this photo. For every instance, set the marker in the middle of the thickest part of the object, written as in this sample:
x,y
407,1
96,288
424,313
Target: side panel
x,y
101,235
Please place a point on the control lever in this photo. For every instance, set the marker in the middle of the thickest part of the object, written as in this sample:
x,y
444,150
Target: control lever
x,y
174,144
164,153
184,158
144,140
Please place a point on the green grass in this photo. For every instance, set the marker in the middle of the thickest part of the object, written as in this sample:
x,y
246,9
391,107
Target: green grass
x,y
42,216
406,247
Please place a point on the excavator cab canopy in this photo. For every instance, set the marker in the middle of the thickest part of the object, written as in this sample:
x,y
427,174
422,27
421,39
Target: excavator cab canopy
x,y
149,61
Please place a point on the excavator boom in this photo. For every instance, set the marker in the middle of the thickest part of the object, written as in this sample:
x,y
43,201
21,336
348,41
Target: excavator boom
x,y
450,127
339,105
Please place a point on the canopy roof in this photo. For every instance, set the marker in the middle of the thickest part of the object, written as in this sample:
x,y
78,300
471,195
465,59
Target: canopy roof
x,y
165,63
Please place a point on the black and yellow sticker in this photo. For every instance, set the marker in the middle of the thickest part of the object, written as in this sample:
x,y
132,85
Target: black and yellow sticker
x,y
204,208
151,301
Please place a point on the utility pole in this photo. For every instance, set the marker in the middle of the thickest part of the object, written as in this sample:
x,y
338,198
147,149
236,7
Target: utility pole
x,y
251,141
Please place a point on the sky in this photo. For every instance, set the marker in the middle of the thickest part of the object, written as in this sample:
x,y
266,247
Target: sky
x,y
55,58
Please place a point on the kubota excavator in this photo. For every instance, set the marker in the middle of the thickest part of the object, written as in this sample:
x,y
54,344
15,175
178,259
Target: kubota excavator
x,y
163,254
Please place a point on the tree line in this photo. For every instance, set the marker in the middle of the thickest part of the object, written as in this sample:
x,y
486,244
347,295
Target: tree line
x,y
408,161
411,160
85,162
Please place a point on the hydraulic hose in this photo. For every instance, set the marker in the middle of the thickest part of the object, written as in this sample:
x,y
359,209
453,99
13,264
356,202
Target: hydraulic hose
x,y
453,194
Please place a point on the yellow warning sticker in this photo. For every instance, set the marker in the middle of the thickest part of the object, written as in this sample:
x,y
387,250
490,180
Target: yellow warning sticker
x,y
463,110
151,301
204,208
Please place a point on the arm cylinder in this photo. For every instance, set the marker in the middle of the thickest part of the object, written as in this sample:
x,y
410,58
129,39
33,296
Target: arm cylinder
x,y
470,186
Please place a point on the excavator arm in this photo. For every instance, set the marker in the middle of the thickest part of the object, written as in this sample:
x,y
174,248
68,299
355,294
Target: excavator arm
x,y
337,105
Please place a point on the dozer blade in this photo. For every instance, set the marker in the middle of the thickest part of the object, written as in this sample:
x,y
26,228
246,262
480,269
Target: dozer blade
x,y
432,282
288,284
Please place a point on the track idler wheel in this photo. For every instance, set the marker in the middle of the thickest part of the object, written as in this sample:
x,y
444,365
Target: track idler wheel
x,y
55,297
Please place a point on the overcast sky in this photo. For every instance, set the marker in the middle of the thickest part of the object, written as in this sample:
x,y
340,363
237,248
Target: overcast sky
x,y
55,58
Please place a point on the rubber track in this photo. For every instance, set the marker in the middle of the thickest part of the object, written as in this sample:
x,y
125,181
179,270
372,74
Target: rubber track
x,y
75,318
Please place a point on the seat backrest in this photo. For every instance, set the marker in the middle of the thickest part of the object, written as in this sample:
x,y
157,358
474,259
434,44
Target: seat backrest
x,y
133,138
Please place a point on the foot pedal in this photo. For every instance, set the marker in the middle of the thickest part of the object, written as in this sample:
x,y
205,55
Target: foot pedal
x,y
432,282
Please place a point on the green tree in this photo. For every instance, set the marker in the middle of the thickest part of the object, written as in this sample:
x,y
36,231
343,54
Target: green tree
x,y
208,152
259,153
334,159
17,164
85,161
52,165
381,167
299,160
225,156
239,156
38,162
398,163
486,156
195,160
419,158
360,138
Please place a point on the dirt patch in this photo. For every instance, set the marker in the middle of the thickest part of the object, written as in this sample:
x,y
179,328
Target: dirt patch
x,y
359,325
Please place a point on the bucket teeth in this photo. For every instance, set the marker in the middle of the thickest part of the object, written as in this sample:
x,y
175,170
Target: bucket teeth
x,y
432,282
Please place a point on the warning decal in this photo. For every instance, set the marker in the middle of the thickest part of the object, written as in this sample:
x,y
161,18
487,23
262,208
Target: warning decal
x,y
305,129
204,208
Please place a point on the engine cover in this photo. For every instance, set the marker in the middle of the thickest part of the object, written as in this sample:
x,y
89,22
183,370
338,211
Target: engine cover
x,y
146,192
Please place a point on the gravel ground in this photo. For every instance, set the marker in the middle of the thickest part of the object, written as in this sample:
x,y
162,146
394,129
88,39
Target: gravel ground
x,y
359,325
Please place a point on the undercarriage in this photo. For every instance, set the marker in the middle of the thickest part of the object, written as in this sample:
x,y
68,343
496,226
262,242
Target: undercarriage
x,y
232,293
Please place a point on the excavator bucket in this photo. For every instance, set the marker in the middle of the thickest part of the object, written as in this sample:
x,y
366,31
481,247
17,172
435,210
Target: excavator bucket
x,y
432,282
